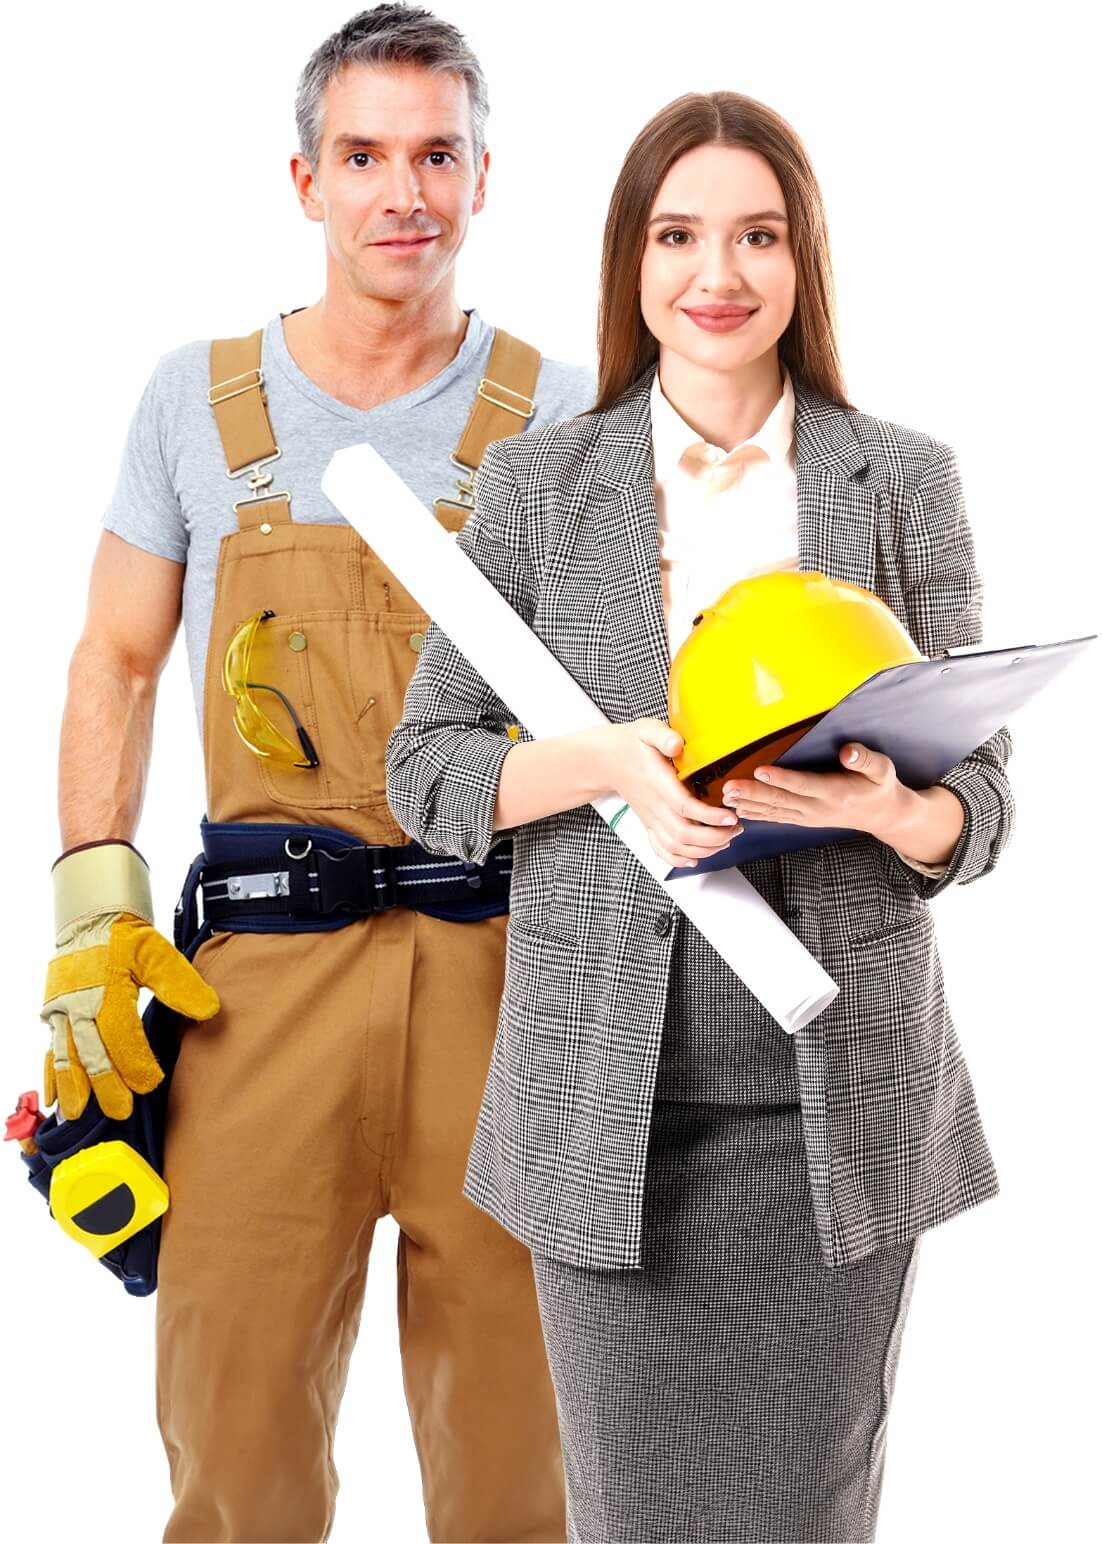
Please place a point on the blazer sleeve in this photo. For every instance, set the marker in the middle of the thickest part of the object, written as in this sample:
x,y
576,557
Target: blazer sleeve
x,y
444,758
943,593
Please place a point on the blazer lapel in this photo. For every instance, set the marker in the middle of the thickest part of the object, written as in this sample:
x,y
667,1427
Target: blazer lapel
x,y
835,506
836,519
626,519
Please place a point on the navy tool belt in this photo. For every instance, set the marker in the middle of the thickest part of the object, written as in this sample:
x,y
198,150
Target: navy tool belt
x,y
261,877
257,877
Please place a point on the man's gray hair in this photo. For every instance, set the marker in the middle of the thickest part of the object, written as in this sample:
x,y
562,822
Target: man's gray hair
x,y
388,35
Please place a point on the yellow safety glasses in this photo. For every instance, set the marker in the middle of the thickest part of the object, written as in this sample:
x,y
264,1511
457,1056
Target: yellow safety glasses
x,y
253,725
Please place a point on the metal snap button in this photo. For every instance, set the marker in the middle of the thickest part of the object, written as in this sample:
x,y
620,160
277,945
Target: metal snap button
x,y
415,641
296,641
266,529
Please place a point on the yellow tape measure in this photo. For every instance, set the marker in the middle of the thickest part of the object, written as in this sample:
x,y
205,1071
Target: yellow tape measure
x,y
106,1194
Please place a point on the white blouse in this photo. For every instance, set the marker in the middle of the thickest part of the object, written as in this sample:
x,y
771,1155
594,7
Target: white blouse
x,y
722,515
725,515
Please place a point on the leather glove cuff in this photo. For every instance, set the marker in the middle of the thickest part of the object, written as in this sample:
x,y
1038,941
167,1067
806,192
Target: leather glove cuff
x,y
101,877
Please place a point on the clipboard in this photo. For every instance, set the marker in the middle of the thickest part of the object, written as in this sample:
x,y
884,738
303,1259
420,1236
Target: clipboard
x,y
926,715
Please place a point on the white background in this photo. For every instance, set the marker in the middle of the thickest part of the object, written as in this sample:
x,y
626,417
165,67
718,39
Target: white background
x,y
148,202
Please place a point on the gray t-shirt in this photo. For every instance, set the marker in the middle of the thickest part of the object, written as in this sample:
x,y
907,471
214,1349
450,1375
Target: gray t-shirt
x,y
173,497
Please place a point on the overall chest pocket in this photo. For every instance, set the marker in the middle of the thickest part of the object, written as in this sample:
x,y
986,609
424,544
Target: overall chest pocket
x,y
345,673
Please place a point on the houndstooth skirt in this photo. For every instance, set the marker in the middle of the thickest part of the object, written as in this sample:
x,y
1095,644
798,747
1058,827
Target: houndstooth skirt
x,y
734,1388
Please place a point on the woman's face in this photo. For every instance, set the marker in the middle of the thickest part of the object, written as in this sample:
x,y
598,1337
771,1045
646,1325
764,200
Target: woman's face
x,y
718,281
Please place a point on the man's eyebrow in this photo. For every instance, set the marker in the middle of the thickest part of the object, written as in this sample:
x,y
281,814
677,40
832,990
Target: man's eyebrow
x,y
697,219
347,142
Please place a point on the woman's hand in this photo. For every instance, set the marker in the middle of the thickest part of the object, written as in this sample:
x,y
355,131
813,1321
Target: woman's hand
x,y
636,766
922,824
867,796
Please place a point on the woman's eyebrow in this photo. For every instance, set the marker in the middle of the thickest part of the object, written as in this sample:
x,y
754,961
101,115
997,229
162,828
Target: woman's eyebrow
x,y
697,219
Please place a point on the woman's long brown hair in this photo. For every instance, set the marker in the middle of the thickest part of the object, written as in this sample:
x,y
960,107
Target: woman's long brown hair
x,y
808,347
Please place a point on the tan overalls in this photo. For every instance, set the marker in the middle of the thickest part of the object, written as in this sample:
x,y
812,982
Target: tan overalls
x,y
340,1083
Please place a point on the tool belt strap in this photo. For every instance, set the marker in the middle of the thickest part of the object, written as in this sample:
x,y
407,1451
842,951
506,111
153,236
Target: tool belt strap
x,y
262,876
309,881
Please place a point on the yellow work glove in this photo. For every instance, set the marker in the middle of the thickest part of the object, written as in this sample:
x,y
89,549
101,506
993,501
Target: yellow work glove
x,y
107,949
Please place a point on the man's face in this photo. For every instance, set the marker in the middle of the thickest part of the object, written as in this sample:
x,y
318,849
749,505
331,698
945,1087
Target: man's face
x,y
395,182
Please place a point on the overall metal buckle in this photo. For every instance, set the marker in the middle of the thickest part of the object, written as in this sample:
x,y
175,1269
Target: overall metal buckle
x,y
258,482
222,391
521,412
464,485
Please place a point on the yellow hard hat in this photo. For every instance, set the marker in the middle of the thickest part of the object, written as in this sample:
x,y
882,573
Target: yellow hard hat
x,y
767,660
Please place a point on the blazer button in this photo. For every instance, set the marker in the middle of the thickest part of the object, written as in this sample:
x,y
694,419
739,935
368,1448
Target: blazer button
x,y
662,924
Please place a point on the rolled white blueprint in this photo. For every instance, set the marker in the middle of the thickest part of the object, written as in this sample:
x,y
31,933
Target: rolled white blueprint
x,y
742,927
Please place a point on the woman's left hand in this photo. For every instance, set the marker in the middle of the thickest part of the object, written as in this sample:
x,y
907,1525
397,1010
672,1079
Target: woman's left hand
x,y
866,796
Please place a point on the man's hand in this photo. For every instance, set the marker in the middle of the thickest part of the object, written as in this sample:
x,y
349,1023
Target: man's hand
x,y
107,950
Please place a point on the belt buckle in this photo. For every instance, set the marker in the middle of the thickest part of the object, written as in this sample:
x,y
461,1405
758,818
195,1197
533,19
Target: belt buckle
x,y
345,879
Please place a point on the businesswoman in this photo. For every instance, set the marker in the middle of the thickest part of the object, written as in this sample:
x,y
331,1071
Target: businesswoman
x,y
724,1219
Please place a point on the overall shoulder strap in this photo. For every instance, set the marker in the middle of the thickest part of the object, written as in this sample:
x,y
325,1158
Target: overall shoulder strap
x,y
502,405
240,408
240,405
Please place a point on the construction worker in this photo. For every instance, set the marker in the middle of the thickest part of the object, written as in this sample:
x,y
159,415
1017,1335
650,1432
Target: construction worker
x,y
338,1013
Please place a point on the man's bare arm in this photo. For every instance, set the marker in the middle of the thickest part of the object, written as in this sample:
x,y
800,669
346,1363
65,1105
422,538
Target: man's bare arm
x,y
134,601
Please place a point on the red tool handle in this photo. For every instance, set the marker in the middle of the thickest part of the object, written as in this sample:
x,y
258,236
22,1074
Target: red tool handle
x,y
26,1119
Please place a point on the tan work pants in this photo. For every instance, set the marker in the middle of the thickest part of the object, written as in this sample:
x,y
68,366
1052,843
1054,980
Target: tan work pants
x,y
341,1082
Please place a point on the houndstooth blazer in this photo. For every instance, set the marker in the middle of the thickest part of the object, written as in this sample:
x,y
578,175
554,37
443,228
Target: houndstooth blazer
x,y
565,527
